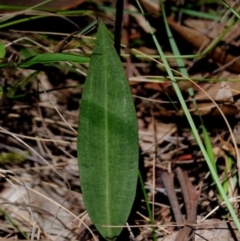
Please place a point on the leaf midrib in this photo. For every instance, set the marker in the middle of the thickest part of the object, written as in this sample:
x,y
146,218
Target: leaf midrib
x,y
106,134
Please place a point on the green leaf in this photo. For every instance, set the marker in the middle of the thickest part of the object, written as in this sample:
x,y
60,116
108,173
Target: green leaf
x,y
107,140
52,57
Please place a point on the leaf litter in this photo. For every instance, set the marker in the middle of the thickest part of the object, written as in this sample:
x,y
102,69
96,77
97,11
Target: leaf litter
x,y
41,191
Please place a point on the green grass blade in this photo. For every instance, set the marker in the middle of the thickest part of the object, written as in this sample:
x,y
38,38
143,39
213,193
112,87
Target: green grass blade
x,y
2,51
52,57
191,122
230,8
107,140
151,217
195,132
196,14
228,167
209,148
7,24
207,152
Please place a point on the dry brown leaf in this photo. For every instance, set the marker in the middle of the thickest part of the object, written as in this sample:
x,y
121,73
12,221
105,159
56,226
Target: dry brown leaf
x,y
211,230
147,51
208,108
220,91
153,86
229,89
214,29
224,93
163,131
196,39
140,19
151,6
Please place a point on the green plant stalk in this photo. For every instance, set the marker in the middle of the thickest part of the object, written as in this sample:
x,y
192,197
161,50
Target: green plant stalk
x,y
10,7
210,153
75,12
228,167
2,51
191,123
209,148
147,205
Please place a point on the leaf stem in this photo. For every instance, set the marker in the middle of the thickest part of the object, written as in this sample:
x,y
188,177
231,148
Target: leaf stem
x,y
118,25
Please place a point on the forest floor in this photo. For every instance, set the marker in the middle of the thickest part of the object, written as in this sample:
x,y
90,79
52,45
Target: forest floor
x,y
40,190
